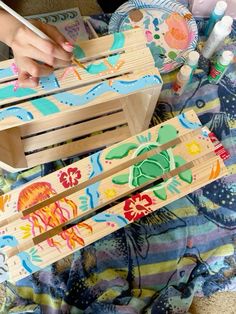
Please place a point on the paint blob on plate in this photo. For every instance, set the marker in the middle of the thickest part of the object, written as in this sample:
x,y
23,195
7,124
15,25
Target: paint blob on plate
x,y
170,29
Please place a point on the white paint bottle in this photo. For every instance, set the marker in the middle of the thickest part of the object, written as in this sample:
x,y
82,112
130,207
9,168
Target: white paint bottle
x,y
192,61
182,80
221,30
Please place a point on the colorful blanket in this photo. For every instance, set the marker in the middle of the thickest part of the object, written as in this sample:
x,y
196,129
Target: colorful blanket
x,y
158,264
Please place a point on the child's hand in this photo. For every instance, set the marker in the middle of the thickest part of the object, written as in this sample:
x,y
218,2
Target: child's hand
x,y
28,48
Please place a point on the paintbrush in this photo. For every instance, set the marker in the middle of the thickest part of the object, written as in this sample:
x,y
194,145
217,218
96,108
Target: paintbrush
x,y
34,29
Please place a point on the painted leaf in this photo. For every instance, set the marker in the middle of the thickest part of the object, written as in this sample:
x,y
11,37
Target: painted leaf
x,y
185,175
160,193
121,151
122,179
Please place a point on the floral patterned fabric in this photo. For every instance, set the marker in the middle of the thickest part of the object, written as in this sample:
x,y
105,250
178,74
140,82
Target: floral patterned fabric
x,y
158,264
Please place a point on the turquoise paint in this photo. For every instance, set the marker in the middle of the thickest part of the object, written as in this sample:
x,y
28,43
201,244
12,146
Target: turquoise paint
x,y
45,106
78,52
121,87
49,82
8,92
25,258
118,43
4,73
92,190
17,112
117,219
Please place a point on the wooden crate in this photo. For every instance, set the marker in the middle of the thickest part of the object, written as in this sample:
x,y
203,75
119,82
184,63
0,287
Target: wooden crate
x,y
112,96
52,217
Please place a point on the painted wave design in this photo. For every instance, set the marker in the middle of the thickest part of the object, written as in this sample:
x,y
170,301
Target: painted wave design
x,y
121,87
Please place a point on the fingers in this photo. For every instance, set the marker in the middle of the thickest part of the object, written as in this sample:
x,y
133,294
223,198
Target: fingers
x,y
30,71
25,80
34,53
57,47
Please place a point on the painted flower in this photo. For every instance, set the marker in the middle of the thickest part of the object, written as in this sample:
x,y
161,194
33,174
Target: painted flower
x,y
70,177
137,206
194,148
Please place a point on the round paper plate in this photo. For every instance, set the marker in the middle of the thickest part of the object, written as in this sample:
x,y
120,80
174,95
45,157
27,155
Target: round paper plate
x,y
170,29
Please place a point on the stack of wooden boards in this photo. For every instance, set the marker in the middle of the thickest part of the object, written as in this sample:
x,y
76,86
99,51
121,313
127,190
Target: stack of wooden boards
x,y
53,216
112,95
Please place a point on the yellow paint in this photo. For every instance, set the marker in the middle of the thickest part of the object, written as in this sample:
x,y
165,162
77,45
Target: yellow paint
x,y
110,193
194,148
26,230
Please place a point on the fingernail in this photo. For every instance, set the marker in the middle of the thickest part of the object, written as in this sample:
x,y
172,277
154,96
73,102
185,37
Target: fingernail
x,y
68,46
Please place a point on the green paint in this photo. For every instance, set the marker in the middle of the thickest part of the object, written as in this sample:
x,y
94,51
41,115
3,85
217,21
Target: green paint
x,y
121,151
172,55
45,106
160,193
156,36
8,92
185,175
78,52
122,179
166,133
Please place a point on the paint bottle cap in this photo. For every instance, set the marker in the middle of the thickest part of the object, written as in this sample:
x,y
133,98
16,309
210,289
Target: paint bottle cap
x,y
193,58
226,23
220,7
226,58
185,73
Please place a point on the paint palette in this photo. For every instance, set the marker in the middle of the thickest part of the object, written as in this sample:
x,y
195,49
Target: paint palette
x,y
170,29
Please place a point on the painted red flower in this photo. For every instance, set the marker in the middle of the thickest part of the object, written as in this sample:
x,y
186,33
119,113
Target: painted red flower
x,y
70,177
137,206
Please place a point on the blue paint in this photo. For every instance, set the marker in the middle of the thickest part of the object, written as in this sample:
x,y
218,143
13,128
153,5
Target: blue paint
x,y
156,23
188,124
121,87
117,219
8,92
17,112
4,73
49,82
118,43
24,257
78,52
92,190
8,240
45,106
26,263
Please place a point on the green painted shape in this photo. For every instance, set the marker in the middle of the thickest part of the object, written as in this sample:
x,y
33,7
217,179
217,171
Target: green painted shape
x,y
185,175
160,193
8,92
78,52
121,151
156,36
121,179
45,106
166,133
151,169
172,55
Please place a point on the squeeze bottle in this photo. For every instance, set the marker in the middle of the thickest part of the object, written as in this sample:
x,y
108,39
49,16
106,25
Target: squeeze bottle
x,y
216,15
